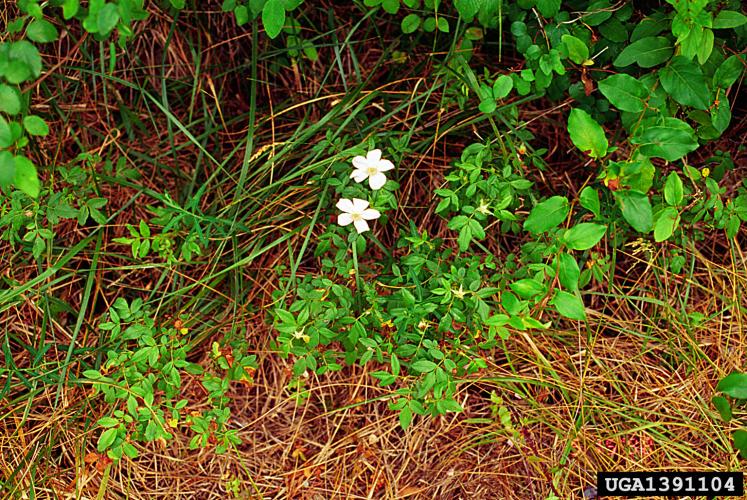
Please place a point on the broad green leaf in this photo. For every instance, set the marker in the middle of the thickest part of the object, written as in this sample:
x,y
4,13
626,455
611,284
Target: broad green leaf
x,y
442,24
527,288
706,46
673,189
584,236
6,134
467,8
10,100
34,125
42,31
107,19
405,417
273,17
721,115
578,52
666,223
28,54
70,8
646,52
390,6
548,8
624,92
107,422
587,134
410,23
568,271
7,169
684,82
569,305
729,19
665,142
723,407
487,106
734,385
589,199
728,72
740,442
106,439
547,215
423,366
502,86
636,209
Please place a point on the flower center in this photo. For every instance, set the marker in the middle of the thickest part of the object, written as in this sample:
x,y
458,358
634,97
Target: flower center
x,y
373,170
356,216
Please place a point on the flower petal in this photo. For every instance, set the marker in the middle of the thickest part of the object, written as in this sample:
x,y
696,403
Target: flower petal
x,y
370,214
361,226
359,175
377,180
359,205
385,165
345,205
374,155
344,219
360,162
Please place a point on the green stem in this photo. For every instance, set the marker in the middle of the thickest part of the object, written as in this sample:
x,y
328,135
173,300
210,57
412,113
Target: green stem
x,y
358,286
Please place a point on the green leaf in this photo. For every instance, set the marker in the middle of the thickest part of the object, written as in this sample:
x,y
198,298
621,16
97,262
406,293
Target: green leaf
x,y
667,221
578,52
423,366
395,364
6,134
10,100
502,86
107,422
568,271
34,125
548,8
740,442
587,134
624,92
41,31
390,6
273,17
728,72
673,189
569,305
70,8
487,106
107,438
547,215
670,143
467,8
729,19
636,209
527,288
129,450
443,24
684,82
410,23
107,19
589,199
646,52
7,169
734,385
405,417
723,407
584,236
26,53
26,180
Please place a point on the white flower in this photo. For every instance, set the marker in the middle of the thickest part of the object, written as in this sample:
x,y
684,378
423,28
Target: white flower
x,y
357,212
371,167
